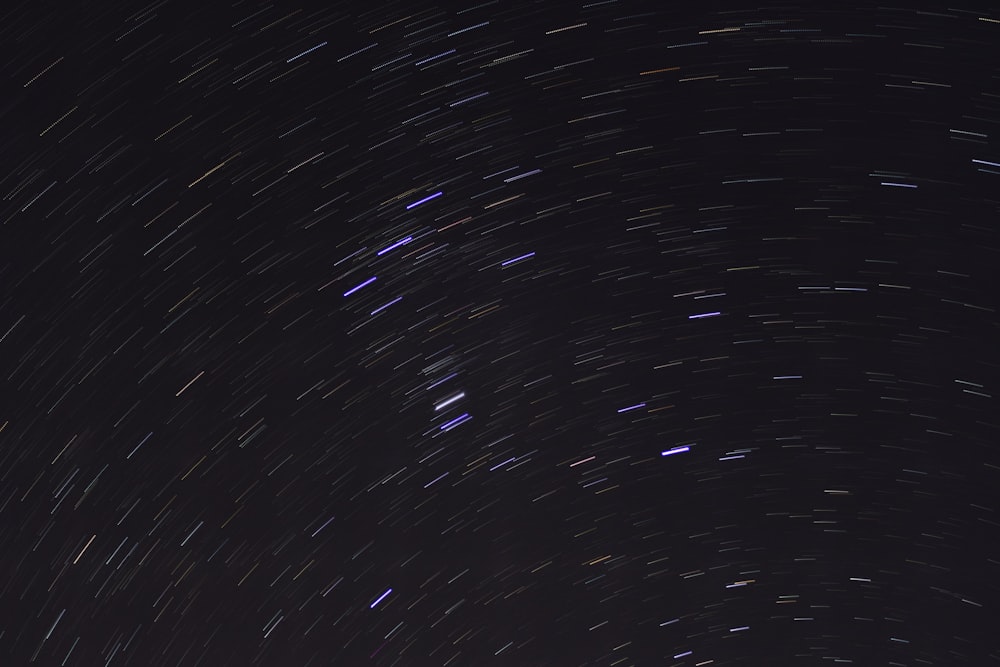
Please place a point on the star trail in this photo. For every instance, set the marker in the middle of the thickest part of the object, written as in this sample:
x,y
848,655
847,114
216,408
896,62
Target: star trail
x,y
499,333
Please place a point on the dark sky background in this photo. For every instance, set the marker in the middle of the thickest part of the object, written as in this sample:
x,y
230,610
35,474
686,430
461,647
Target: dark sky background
x,y
518,333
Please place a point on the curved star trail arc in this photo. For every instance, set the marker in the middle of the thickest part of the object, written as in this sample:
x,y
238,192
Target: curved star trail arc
x,y
598,333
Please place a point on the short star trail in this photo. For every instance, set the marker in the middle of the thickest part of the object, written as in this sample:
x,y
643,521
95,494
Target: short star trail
x,y
517,333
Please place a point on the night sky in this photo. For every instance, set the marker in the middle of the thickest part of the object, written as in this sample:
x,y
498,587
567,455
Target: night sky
x,y
514,333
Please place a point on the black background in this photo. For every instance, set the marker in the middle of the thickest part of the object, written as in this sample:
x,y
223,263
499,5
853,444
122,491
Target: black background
x,y
186,199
